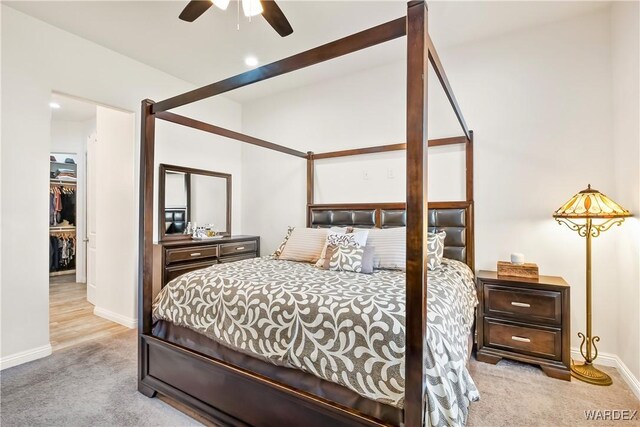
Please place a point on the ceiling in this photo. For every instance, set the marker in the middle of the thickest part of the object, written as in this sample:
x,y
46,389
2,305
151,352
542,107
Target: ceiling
x,y
212,48
71,109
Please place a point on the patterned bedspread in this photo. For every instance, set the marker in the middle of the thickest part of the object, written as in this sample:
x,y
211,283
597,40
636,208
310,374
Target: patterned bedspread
x,y
344,327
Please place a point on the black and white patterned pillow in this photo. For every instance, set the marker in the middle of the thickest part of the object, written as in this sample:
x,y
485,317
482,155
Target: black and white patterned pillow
x,y
435,249
343,239
335,238
347,257
278,251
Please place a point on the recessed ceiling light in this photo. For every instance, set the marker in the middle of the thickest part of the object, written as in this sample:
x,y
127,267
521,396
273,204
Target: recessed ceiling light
x,y
54,105
251,61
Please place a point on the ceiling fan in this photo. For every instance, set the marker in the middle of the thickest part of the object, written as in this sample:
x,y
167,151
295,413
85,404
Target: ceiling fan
x,y
268,8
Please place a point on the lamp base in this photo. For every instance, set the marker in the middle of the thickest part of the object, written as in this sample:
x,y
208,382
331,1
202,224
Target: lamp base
x,y
590,374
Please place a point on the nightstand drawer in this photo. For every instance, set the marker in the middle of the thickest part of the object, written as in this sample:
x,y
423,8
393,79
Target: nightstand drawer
x,y
523,304
190,254
238,247
539,342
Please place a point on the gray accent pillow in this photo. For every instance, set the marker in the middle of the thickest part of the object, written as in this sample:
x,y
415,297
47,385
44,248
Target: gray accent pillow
x,y
435,249
355,258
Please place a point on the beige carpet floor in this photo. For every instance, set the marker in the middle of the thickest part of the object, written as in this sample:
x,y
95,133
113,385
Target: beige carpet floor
x,y
94,384
517,394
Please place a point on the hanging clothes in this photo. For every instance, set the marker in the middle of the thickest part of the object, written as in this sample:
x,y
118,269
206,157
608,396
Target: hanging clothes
x,y
62,205
68,211
62,252
52,209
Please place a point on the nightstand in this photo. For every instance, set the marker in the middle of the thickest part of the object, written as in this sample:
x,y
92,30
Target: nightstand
x,y
526,320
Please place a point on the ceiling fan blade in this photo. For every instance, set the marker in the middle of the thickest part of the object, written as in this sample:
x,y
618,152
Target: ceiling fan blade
x,y
194,9
274,16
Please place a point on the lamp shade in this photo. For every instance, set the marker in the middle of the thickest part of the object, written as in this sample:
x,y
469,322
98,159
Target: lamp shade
x,y
591,203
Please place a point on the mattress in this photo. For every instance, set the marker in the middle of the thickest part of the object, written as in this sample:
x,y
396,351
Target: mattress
x,y
341,327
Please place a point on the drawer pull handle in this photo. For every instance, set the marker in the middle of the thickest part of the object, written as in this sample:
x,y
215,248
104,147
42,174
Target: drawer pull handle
x,y
239,248
196,254
520,339
520,304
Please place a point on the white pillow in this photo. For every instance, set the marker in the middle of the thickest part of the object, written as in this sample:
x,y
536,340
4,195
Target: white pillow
x,y
389,247
304,244
358,238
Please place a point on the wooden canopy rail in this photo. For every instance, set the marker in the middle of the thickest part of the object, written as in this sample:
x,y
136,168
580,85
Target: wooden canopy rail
x,y
235,396
217,130
385,148
353,43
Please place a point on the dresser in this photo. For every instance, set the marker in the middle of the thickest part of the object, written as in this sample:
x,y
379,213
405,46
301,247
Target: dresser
x,y
178,257
526,320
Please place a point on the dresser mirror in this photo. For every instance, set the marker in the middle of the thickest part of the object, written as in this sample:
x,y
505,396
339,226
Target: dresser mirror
x,y
193,196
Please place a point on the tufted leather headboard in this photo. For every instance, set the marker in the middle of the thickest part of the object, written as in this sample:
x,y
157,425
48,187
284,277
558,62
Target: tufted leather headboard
x,y
455,218
175,220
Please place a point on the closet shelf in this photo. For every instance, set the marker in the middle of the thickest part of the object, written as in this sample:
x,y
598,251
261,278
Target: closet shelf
x,y
69,228
69,165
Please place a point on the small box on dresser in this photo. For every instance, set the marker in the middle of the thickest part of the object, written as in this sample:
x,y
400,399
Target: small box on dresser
x,y
527,320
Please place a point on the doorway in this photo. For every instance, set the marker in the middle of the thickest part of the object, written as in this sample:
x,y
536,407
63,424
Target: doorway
x,y
75,285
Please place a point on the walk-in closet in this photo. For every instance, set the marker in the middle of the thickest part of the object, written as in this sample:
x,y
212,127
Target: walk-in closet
x,y
63,218
73,253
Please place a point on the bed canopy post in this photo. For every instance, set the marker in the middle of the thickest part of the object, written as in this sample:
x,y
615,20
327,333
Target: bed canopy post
x,y
310,183
145,265
416,272
469,193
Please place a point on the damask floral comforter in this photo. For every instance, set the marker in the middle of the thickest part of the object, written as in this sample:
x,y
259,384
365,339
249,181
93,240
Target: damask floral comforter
x,y
343,327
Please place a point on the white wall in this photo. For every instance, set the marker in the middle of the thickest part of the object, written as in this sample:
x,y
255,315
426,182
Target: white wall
x,y
625,18
36,60
71,137
539,101
115,198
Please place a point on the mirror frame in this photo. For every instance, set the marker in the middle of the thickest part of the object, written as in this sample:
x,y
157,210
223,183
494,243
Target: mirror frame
x,y
162,236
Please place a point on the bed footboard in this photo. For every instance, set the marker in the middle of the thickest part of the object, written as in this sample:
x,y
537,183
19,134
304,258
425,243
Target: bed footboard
x,y
233,396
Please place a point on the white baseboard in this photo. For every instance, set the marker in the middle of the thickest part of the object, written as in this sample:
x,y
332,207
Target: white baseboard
x,y
25,356
613,361
129,322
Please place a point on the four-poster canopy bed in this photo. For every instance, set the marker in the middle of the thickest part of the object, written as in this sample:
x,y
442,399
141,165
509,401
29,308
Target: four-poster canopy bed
x,y
236,395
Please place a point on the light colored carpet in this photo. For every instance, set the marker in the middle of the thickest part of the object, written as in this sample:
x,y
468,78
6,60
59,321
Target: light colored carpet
x,y
94,384
91,384
517,394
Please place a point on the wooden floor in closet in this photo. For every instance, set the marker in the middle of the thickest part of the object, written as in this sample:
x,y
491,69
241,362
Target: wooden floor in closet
x,y
71,318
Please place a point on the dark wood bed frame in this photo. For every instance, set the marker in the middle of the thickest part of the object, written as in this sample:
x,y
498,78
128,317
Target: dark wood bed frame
x,y
234,396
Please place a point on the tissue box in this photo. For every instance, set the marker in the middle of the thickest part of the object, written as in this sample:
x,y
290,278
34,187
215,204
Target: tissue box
x,y
526,271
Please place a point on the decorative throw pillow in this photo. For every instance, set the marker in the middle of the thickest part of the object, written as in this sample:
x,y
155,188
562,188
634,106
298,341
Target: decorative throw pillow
x,y
353,258
390,247
284,242
358,238
435,249
304,244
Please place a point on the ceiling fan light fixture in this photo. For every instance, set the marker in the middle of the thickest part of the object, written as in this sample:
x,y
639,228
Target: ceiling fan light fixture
x,y
221,4
251,7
